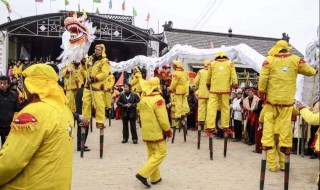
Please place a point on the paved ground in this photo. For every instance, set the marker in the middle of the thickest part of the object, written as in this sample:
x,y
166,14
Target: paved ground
x,y
185,167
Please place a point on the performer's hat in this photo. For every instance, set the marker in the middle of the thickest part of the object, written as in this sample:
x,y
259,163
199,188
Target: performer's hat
x,y
177,64
280,45
136,69
42,80
151,85
103,54
221,55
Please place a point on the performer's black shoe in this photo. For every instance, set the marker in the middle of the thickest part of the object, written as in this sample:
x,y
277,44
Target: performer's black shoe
x,y
143,180
124,141
85,149
135,141
154,183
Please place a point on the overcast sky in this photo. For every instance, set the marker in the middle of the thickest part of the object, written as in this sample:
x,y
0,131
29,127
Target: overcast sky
x,y
266,18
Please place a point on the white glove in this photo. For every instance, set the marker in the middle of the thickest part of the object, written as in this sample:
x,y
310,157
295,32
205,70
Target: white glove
x,y
83,119
70,69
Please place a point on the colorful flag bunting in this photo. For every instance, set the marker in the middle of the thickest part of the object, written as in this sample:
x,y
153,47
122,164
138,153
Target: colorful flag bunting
x,y
124,5
134,12
39,1
7,5
110,4
66,2
97,1
148,17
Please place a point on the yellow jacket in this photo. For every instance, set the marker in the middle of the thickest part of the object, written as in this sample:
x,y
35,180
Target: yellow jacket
x,y
312,119
180,82
109,83
154,117
77,77
98,70
135,84
221,74
200,84
39,150
278,77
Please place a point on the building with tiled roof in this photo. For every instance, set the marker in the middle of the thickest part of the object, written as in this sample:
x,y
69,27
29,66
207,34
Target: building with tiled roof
x,y
203,39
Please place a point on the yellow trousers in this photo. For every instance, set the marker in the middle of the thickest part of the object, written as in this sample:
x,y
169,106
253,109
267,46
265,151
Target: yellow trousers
x,y
157,151
71,95
212,108
174,122
181,105
108,97
202,109
99,98
277,116
272,155
186,108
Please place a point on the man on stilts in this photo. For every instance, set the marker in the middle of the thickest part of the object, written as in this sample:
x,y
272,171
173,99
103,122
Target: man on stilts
x,y
221,74
73,79
98,68
180,87
203,96
277,83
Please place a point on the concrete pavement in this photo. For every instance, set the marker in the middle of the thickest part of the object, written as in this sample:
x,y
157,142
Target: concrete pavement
x,y
185,167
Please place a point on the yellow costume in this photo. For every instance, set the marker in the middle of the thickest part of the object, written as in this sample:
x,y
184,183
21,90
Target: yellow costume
x,y
221,74
202,91
312,119
135,84
180,87
155,128
39,150
108,89
17,70
277,81
98,70
275,150
73,79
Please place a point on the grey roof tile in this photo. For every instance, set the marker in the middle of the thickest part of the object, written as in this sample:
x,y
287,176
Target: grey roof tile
x,y
202,40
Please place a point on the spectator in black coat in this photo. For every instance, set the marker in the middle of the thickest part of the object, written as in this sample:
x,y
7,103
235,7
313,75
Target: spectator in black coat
x,y
128,103
8,106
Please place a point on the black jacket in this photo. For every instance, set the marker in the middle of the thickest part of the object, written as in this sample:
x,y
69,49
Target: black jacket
x,y
8,105
132,110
